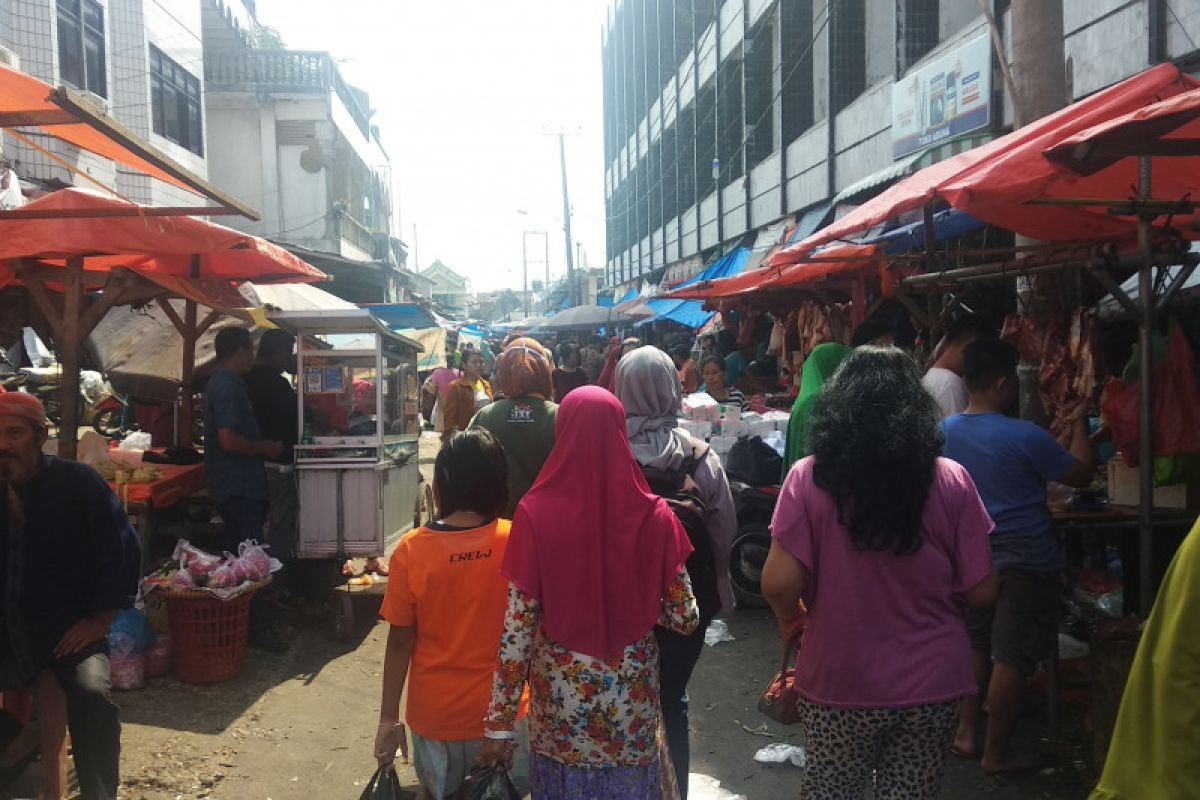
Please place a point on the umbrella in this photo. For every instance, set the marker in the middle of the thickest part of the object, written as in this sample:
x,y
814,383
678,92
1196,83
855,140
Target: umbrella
x,y
585,318
78,241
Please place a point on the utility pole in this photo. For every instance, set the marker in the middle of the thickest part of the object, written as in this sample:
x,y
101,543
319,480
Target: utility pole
x,y
1040,85
572,289
416,257
525,273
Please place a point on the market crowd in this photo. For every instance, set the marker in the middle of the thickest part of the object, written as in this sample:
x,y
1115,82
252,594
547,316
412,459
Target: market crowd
x,y
550,618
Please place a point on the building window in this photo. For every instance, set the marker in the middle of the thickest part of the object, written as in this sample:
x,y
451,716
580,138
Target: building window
x,y
175,102
81,45
917,27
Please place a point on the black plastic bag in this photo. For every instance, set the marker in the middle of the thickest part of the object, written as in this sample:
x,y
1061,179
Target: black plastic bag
x,y
488,783
384,785
753,462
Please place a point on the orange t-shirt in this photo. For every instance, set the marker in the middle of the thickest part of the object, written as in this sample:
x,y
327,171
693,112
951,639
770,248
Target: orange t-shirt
x,y
448,584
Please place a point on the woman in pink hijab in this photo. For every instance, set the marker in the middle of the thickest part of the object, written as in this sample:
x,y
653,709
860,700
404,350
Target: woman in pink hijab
x,y
594,562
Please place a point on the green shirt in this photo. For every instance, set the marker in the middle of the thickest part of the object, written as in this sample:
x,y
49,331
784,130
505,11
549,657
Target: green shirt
x,y
526,429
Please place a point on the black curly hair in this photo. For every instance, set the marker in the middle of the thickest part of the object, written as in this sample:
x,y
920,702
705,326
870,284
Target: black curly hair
x,y
875,440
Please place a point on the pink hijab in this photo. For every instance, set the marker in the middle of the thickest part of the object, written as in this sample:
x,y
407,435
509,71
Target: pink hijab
x,y
589,540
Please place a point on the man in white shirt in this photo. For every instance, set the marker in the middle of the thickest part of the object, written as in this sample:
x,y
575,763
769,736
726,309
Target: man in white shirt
x,y
944,379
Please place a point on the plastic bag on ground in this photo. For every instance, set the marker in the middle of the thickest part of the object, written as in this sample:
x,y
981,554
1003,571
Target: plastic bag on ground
x,y
717,632
780,753
158,658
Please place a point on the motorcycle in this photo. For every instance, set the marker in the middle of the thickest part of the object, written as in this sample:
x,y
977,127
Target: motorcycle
x,y
754,506
115,415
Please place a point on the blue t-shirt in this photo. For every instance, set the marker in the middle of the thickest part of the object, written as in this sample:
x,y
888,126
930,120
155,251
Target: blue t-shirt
x,y
227,405
1011,461
735,366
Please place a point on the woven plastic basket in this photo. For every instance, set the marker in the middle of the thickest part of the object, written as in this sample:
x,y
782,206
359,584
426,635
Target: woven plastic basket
x,y
208,635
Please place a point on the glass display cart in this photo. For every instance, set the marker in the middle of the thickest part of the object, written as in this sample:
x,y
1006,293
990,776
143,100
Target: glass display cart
x,y
357,467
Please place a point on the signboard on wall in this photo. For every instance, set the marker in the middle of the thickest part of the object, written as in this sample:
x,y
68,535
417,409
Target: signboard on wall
x,y
944,99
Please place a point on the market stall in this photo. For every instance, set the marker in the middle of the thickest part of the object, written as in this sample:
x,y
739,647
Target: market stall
x,y
358,478
65,246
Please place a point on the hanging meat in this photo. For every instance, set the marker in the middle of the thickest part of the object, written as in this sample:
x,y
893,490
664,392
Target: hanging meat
x,y
1063,346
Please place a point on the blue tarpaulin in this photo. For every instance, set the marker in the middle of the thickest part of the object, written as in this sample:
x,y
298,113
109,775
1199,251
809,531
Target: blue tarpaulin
x,y
402,315
948,224
691,313
630,295
605,301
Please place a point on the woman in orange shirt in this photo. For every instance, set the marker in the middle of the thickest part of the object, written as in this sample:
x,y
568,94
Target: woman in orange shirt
x,y
445,603
466,395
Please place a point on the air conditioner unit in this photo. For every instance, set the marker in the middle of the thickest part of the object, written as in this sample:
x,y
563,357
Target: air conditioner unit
x,y
9,58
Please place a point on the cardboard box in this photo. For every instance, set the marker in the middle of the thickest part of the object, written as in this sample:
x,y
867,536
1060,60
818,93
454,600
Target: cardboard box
x,y
1124,489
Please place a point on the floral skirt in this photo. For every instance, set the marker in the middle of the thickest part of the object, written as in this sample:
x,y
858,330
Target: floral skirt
x,y
554,780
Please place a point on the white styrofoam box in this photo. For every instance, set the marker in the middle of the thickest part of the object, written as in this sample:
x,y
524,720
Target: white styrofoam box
x,y
701,407
733,428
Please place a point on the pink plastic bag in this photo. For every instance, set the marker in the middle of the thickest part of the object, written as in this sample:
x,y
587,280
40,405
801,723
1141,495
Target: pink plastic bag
x,y
256,557
243,570
199,563
158,658
183,580
128,671
223,577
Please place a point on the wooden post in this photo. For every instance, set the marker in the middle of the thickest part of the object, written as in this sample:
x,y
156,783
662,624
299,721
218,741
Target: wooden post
x,y
183,435
68,358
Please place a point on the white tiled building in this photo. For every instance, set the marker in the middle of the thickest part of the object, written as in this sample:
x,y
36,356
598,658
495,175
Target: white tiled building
x,y
140,60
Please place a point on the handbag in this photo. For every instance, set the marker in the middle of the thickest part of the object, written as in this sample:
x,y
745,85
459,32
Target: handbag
x,y
780,701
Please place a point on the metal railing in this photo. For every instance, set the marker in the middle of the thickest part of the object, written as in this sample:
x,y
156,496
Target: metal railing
x,y
357,234
284,70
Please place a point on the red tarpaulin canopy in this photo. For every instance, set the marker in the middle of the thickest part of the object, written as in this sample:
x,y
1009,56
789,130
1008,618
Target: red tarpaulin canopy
x,y
147,245
58,243
996,182
32,110
836,260
1167,128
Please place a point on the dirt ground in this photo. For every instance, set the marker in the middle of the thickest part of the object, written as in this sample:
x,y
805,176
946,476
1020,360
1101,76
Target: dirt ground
x,y
301,725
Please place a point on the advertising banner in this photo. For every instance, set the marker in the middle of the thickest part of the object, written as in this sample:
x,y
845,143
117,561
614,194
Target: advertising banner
x,y
944,99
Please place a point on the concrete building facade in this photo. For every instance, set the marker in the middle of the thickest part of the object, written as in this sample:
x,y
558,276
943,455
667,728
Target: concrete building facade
x,y
296,141
724,117
142,63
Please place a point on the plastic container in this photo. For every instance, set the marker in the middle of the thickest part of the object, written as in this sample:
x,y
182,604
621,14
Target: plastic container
x,y
208,635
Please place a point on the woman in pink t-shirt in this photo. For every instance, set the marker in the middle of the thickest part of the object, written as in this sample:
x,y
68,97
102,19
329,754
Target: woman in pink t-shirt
x,y
886,544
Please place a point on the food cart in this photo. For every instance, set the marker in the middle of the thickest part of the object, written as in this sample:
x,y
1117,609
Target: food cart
x,y
357,468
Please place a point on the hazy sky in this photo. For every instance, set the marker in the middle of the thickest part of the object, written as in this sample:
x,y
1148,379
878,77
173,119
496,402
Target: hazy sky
x,y
464,91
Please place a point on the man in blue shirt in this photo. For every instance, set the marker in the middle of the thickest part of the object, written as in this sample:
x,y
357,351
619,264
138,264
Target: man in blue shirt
x,y
235,455
1011,461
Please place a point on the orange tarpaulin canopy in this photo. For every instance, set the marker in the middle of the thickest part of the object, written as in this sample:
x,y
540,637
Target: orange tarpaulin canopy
x,y
829,262
996,182
31,110
171,247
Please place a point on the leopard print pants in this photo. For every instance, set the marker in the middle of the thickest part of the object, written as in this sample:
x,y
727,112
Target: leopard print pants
x,y
901,751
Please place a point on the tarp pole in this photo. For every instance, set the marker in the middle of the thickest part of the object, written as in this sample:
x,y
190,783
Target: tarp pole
x,y
1146,390
183,430
68,382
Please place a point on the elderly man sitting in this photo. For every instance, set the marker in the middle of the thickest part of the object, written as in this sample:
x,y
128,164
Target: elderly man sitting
x,y
69,561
